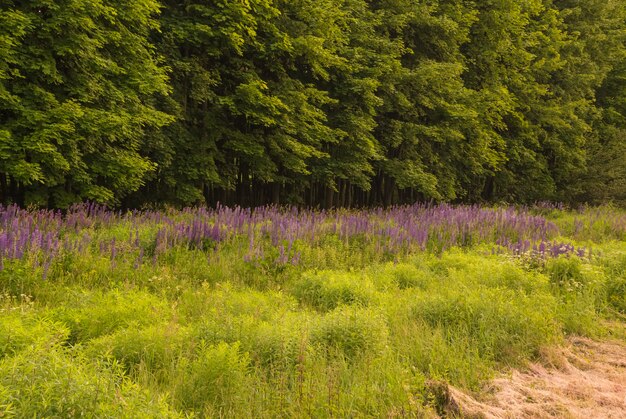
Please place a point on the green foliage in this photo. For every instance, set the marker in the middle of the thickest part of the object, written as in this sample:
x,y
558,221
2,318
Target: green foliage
x,y
408,276
430,351
570,275
509,328
282,343
214,381
616,293
77,84
584,291
207,302
317,102
310,102
351,332
15,279
245,103
89,315
19,331
327,290
357,337
153,348
53,382
566,273
275,343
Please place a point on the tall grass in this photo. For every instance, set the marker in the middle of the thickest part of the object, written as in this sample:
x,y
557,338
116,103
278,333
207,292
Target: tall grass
x,y
291,313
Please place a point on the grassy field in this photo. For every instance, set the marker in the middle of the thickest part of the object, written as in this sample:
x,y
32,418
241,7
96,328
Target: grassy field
x,y
287,313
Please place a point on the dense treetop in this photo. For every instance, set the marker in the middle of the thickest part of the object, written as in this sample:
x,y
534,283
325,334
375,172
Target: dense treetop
x,y
314,102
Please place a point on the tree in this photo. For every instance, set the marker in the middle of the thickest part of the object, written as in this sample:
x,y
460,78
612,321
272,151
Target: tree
x,y
250,112
431,124
77,89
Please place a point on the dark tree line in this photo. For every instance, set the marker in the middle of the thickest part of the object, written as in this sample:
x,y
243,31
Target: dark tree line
x,y
312,102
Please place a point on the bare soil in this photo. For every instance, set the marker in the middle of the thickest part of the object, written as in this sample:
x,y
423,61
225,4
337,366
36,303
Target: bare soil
x,y
586,379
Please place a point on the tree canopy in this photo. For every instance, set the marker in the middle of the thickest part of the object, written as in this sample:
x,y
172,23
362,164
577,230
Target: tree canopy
x,y
312,102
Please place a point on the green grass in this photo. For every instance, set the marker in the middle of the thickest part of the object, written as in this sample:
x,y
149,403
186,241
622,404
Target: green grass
x,y
354,335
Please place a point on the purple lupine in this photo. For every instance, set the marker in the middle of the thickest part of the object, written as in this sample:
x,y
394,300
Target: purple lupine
x,y
394,231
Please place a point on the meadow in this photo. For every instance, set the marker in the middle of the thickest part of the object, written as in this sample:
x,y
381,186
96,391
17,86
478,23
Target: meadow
x,y
283,312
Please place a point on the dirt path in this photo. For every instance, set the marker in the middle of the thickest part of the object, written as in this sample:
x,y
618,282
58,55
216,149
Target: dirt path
x,y
587,380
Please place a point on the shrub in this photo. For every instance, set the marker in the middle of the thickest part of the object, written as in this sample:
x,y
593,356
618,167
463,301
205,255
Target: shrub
x,y
327,290
570,275
577,315
503,325
155,347
269,343
225,300
409,276
351,331
458,361
49,381
616,293
280,343
17,331
215,379
17,278
92,314
582,290
225,328
564,272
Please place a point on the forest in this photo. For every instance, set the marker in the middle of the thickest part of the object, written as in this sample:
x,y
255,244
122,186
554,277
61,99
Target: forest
x,y
322,103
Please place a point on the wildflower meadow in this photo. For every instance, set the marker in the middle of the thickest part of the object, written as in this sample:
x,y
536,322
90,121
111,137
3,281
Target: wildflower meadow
x,y
289,312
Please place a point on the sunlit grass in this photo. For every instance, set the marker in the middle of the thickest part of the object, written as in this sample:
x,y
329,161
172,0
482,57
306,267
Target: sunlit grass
x,y
354,326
